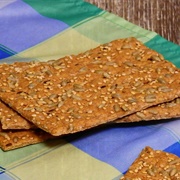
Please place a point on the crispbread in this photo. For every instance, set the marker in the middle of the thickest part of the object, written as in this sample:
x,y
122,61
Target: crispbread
x,y
166,110
10,119
154,165
12,139
75,93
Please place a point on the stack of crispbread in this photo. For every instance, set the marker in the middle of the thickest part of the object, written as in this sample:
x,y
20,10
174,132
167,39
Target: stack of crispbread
x,y
121,81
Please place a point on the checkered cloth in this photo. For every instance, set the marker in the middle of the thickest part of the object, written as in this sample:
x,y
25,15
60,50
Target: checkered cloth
x,y
48,29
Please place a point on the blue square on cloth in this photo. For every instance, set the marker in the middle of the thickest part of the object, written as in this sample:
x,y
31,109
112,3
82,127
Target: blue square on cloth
x,y
4,52
21,27
174,149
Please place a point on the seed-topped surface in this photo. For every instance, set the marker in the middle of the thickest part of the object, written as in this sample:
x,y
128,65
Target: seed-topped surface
x,y
79,92
14,139
154,165
166,110
12,120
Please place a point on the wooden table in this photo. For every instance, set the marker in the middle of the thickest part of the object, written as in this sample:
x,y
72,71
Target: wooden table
x,y
161,16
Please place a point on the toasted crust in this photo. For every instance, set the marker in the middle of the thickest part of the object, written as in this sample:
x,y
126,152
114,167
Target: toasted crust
x,y
154,165
75,93
10,119
10,139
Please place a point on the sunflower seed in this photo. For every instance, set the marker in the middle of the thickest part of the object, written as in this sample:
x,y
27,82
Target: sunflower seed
x,y
176,161
31,86
69,92
155,58
53,96
60,104
78,87
76,97
153,111
150,90
177,101
106,75
38,109
165,173
70,110
99,71
128,63
171,104
135,53
48,72
138,83
116,95
126,46
71,127
164,89
64,97
161,80
116,108
75,115
150,172
83,69
52,105
41,102
124,108
150,98
101,105
173,172
132,100
140,115
64,82
138,57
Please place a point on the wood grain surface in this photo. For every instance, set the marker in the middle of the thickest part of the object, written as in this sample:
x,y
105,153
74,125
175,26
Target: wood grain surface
x,y
161,16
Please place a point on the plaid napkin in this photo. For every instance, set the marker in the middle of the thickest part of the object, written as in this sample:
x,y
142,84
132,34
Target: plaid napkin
x,y
49,29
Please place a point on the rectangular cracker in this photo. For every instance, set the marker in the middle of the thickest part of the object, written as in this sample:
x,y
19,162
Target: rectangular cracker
x,y
155,165
78,92
13,139
10,119
166,110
